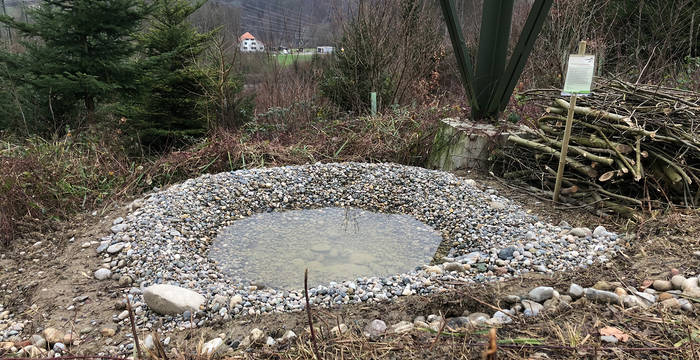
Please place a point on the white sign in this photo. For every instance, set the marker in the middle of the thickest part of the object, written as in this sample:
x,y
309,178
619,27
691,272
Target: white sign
x,y
579,75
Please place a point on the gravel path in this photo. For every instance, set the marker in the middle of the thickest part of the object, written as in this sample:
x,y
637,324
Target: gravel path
x,y
166,238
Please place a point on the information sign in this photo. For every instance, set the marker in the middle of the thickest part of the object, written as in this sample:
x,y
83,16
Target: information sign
x,y
579,75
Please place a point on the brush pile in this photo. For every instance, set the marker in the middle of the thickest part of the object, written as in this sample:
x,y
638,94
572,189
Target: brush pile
x,y
632,146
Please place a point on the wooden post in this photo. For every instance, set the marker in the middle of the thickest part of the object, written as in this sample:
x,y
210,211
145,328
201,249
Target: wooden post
x,y
567,135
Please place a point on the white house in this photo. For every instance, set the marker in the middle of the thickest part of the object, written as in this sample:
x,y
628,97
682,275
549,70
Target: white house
x,y
325,49
247,43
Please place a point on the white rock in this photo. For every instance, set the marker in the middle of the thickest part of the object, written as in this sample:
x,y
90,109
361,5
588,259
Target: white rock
x,y
257,335
115,248
601,296
478,318
677,281
689,283
541,293
406,291
497,205
102,274
685,304
692,292
172,300
148,342
580,232
338,330
38,341
375,329
531,308
575,291
289,335
235,300
212,346
632,301
500,318
402,327
118,228
434,269
600,231
220,299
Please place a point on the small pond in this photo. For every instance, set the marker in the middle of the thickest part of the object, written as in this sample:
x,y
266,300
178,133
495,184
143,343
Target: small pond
x,y
335,244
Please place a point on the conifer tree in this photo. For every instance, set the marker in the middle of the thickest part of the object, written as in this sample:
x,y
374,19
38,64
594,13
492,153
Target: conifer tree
x,y
170,108
78,51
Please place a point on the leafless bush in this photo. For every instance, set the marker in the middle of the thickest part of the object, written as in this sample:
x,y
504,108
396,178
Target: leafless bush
x,y
560,36
224,101
389,46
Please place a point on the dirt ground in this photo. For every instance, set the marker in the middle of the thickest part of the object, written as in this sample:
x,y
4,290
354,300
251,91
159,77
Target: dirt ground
x,y
39,281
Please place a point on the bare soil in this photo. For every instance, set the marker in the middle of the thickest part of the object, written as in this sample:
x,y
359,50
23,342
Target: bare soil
x,y
38,282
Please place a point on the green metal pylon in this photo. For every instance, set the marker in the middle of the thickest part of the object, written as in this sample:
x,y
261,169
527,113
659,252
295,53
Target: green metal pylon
x,y
464,62
493,48
490,86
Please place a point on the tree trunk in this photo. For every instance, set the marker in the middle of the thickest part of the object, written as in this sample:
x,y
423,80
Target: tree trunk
x,y
90,108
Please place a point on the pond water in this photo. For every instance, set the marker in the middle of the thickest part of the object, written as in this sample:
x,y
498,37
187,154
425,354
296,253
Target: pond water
x,y
335,244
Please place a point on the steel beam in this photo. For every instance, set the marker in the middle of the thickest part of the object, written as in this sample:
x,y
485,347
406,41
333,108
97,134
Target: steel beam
x,y
493,50
489,88
516,64
464,62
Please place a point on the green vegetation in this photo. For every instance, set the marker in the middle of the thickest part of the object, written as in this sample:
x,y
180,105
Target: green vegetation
x,y
101,99
168,109
289,59
77,53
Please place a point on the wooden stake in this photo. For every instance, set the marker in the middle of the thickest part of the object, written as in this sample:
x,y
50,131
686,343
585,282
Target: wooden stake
x,y
308,313
567,135
133,329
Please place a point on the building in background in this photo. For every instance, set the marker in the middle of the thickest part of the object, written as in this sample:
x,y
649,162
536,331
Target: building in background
x,y
247,43
325,49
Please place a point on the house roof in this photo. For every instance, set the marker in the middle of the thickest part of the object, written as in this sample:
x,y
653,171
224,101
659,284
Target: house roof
x,y
246,36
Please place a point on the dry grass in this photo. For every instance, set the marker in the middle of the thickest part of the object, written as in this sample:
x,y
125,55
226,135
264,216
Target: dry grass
x,y
43,179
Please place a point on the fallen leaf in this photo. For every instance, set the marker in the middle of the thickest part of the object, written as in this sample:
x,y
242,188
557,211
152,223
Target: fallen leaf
x,y
613,331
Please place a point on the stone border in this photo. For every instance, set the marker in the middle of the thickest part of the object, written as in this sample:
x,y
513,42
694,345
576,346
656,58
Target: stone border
x,y
166,237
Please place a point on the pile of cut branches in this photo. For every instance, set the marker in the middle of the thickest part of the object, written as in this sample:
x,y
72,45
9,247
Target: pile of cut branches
x,y
632,146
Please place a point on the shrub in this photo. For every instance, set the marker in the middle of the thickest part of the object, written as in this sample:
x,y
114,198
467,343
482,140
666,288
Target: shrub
x,y
49,179
386,49
169,110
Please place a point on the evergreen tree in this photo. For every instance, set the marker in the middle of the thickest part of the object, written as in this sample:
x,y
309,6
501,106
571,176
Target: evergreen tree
x,y
78,51
169,109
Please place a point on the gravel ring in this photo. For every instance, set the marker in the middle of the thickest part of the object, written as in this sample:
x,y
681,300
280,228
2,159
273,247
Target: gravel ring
x,y
166,238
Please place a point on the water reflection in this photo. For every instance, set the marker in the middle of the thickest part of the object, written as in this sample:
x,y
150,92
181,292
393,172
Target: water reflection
x,y
336,244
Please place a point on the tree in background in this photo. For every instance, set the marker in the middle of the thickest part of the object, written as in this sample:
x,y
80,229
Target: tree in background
x,y
225,104
170,108
387,48
655,35
77,52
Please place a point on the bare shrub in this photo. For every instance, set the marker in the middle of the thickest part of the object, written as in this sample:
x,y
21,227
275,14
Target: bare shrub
x,y
385,48
225,104
44,179
559,38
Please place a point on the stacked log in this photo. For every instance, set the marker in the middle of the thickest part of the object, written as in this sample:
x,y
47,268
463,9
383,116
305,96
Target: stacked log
x,y
632,146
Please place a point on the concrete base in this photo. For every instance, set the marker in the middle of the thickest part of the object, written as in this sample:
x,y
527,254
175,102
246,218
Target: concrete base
x,y
462,144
